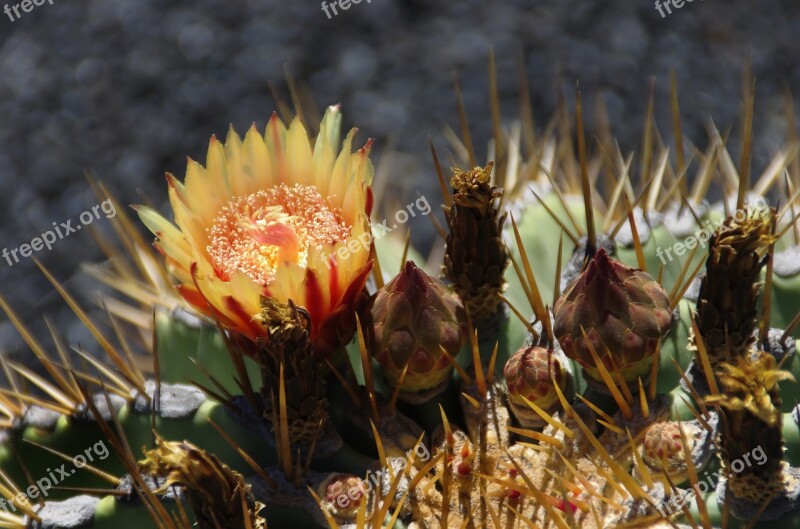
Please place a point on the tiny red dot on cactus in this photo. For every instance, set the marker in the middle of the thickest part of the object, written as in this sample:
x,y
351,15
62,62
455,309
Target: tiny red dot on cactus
x,y
464,469
513,494
566,506
512,472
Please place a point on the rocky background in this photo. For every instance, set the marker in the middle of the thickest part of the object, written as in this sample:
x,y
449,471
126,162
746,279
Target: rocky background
x,y
126,89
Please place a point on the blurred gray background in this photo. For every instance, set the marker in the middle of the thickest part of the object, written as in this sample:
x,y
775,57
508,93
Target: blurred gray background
x,y
128,88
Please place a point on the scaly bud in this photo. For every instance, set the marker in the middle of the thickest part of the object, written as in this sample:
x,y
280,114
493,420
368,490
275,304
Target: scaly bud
x,y
529,374
624,313
413,316
342,495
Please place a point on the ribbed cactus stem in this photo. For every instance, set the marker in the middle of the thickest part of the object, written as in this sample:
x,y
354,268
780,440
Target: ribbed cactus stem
x,y
752,427
747,378
288,344
726,309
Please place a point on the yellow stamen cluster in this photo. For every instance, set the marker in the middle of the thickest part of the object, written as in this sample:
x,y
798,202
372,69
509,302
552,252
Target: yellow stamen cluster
x,y
255,233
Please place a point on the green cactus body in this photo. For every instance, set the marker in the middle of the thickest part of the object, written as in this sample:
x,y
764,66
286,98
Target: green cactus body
x,y
74,436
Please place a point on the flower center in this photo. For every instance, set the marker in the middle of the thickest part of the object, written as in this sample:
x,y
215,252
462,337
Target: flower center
x,y
255,233
663,442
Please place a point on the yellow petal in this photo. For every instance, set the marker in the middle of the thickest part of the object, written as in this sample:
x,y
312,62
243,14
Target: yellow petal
x,y
325,148
216,170
205,196
234,163
298,154
171,239
354,200
338,178
275,139
192,223
287,284
258,159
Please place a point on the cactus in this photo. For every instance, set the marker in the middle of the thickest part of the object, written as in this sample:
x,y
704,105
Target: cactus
x,y
265,369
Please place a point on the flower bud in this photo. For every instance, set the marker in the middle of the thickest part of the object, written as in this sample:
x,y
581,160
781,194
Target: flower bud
x,y
529,374
413,316
624,313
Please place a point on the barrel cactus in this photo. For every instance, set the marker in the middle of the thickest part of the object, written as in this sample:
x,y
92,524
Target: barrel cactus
x,y
585,355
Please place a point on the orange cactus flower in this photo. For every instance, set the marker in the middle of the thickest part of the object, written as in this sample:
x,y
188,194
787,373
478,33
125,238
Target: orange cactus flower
x,y
262,218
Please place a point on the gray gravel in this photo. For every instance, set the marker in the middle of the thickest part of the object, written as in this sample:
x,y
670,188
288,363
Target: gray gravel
x,y
128,88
